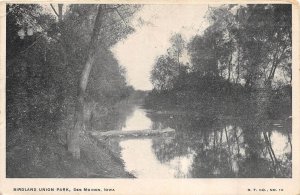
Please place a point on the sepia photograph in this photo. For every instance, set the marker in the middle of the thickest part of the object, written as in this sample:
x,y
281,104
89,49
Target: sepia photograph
x,y
184,93
140,91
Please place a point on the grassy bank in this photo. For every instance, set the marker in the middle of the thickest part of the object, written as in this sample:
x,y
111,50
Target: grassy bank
x,y
44,157
39,150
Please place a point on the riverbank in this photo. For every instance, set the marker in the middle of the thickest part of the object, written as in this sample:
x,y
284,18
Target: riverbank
x,y
40,151
212,105
44,157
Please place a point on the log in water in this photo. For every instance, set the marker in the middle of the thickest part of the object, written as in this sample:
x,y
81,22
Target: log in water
x,y
144,132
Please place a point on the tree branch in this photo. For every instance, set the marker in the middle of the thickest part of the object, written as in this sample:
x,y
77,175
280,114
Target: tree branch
x,y
121,16
37,39
114,7
54,10
276,61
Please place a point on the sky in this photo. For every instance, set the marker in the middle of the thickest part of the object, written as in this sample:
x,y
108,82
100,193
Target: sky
x,y
138,52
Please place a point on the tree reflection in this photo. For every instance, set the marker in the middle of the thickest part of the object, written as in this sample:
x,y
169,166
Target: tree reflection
x,y
228,148
111,117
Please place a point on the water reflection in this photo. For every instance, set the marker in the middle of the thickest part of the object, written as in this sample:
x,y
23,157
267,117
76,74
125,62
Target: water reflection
x,y
142,161
137,121
279,143
226,148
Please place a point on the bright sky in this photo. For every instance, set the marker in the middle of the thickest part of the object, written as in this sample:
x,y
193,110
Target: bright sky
x,y
137,53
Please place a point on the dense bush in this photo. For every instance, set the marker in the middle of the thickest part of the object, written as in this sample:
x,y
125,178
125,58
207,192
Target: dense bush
x,y
216,96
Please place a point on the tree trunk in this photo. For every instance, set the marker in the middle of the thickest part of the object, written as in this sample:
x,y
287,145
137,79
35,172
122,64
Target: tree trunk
x,y
229,74
74,134
229,68
264,92
238,67
60,6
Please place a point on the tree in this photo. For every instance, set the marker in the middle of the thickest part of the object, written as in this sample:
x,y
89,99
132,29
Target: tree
x,y
203,52
52,56
222,24
100,39
163,73
177,48
27,24
264,36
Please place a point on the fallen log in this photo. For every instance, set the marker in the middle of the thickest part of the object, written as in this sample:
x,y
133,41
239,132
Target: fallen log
x,y
120,133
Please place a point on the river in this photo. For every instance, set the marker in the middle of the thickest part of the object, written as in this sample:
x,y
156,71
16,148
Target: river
x,y
222,149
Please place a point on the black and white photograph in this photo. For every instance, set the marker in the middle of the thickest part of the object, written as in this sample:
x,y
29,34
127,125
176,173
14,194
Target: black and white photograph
x,y
149,91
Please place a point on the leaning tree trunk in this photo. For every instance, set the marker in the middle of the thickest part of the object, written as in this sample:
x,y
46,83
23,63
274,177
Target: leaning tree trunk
x,y
74,134
265,91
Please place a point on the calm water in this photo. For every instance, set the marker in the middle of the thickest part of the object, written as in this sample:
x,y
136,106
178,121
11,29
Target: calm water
x,y
200,149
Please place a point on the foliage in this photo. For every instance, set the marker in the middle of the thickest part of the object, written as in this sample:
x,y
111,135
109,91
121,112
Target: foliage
x,y
234,60
177,47
164,72
45,58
